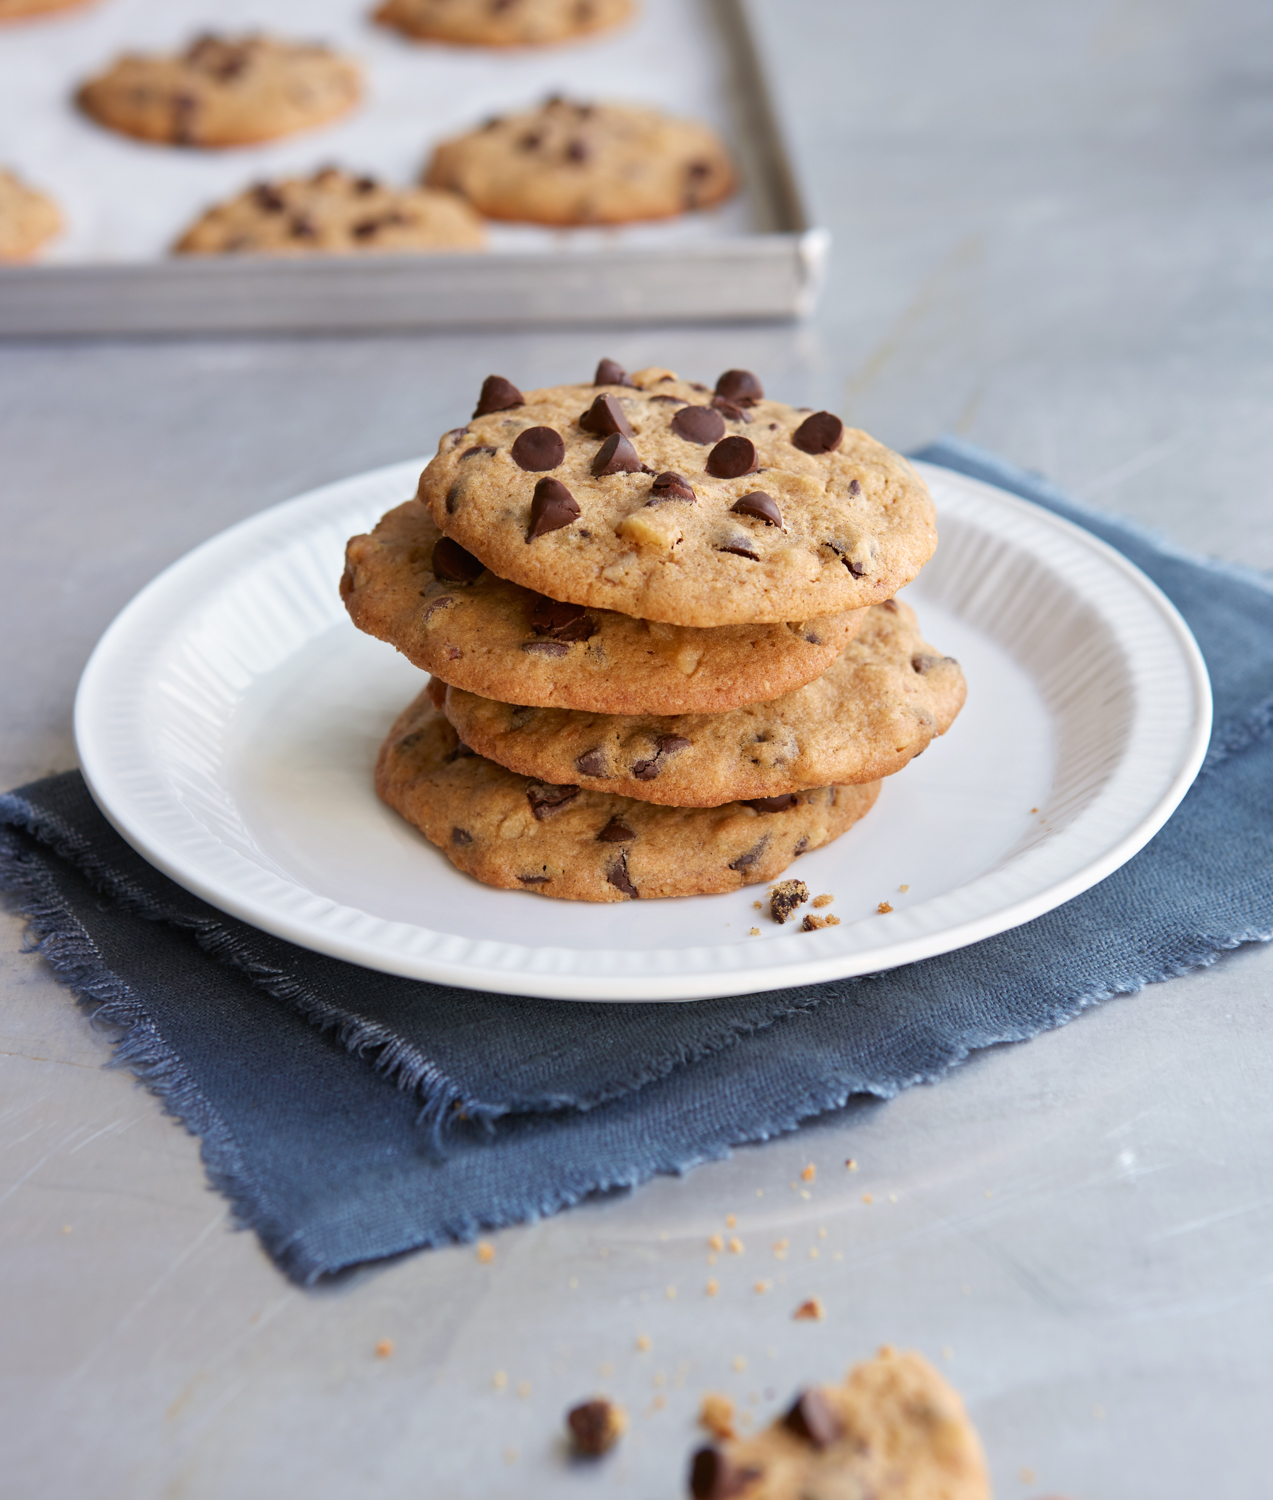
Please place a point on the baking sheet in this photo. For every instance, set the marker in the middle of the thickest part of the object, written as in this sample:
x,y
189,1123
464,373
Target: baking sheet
x,y
126,201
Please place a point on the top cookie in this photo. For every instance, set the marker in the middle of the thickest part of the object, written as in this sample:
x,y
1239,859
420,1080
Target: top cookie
x,y
502,23
569,163
223,91
670,504
27,218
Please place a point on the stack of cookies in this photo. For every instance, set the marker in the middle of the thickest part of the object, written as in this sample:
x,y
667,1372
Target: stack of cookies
x,y
665,654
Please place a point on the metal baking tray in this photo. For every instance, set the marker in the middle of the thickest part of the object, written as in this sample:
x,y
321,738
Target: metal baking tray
x,y
757,257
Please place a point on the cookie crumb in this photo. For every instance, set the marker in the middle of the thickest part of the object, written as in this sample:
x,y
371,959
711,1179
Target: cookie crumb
x,y
759,905
823,900
753,932
811,924
867,1198
811,1311
510,1455
735,1245
884,908
740,1362
731,1220
814,1252
659,1402
780,1249
852,1164
713,1286
760,1288
822,1234
1027,1476
499,1380
903,889
524,1389
595,1426
384,1348
715,1243
485,1252
643,1342
716,1414
670,1294
785,897
809,1173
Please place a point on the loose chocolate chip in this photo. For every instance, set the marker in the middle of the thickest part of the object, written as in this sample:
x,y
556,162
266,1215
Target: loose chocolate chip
x,y
820,433
812,1418
741,387
461,836
610,372
267,196
744,861
616,456
534,879
545,648
595,1427
739,548
452,564
498,394
604,417
618,877
537,449
615,832
855,487
773,804
670,486
475,449
546,800
757,503
578,151
564,622
729,411
591,762
699,424
664,746
715,1477
552,507
732,458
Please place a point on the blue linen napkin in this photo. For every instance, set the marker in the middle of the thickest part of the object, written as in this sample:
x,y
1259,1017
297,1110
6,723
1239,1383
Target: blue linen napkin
x,y
350,1116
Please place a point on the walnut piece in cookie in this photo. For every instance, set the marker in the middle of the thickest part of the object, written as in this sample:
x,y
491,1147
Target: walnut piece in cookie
x,y
595,1426
502,23
223,91
578,163
27,219
333,213
785,897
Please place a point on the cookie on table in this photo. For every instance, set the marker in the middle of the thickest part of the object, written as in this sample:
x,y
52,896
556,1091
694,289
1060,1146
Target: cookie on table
x,y
27,218
18,10
878,706
502,23
894,1427
569,163
406,584
223,91
336,213
661,500
510,831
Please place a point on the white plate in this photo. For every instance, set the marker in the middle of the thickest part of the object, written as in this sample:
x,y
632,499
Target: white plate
x,y
228,721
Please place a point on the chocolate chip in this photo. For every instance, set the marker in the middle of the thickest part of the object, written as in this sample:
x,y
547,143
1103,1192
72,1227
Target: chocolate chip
x,y
812,1418
452,438
184,109
664,746
530,140
452,564
498,394
670,486
578,151
741,387
546,800
537,449
785,897
740,547
461,752
773,804
461,836
545,648
757,503
697,170
303,227
552,507
595,1427
615,832
744,861
445,602
715,1477
618,877
534,879
564,622
800,847
820,433
366,229
675,400
729,411
616,456
610,372
698,424
591,762
732,458
366,185
453,496
475,449
855,487
605,416
265,195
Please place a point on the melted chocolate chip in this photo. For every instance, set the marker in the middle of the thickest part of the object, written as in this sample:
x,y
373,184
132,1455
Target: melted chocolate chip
x,y
564,622
618,877
780,803
537,449
578,151
812,1418
534,879
715,1477
675,400
445,602
890,605
452,438
461,836
475,449
610,372
616,456
366,229
820,433
265,195
800,847
530,141
546,800
664,746
604,417
671,486
498,394
745,861
741,387
757,503
855,487
545,648
453,496
729,411
591,762
731,458
740,547
615,832
698,424
303,227
365,185
552,508
452,564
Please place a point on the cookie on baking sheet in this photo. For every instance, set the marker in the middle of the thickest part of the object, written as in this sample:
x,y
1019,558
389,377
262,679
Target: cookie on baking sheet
x,y
502,23
661,500
27,218
507,830
20,10
569,163
223,91
406,584
877,707
336,213
894,1428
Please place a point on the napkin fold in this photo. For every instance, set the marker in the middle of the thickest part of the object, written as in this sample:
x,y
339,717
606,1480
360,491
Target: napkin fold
x,y
350,1115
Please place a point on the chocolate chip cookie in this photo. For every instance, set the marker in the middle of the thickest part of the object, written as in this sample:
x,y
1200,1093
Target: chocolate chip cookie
x,y
871,712
664,499
573,163
502,23
27,218
408,585
16,10
334,213
510,831
223,91
894,1428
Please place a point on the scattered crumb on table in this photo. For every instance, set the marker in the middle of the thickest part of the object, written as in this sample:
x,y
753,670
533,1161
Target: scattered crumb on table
x,y
811,924
811,1311
716,1414
823,900
884,908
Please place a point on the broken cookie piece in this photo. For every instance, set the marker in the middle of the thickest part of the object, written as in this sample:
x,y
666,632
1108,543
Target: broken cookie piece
x,y
811,924
785,897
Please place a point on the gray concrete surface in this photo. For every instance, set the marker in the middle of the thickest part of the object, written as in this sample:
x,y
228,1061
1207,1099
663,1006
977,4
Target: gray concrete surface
x,y
1054,232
